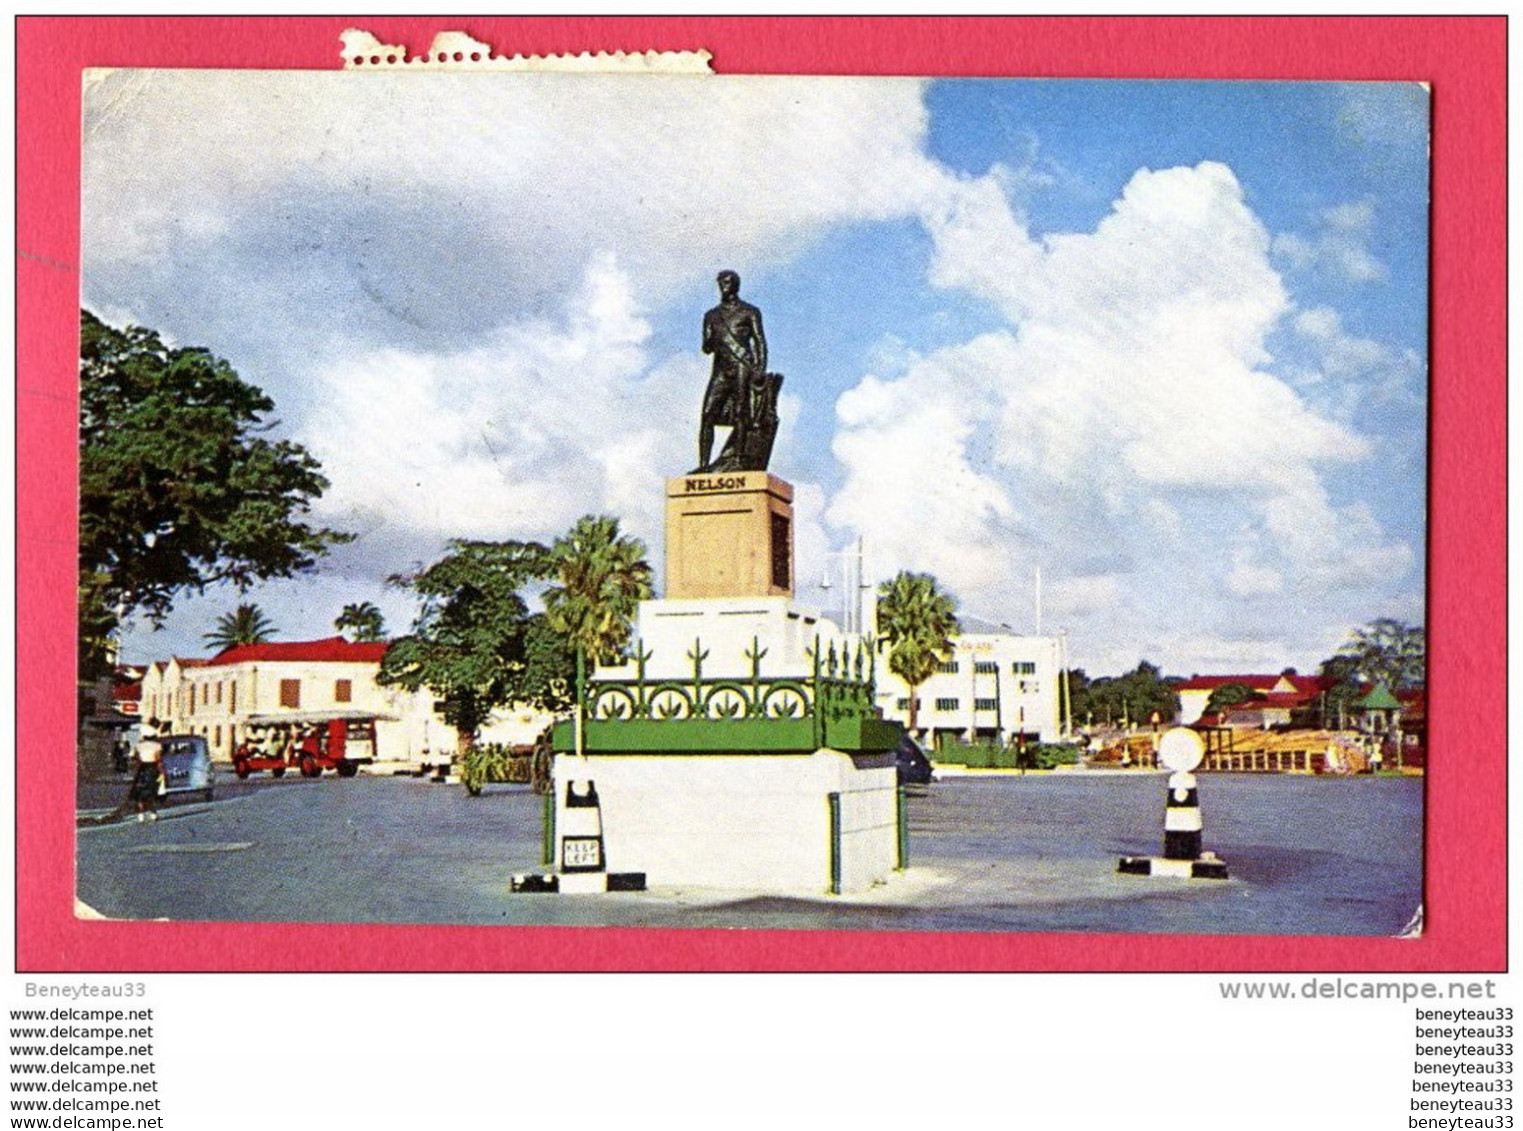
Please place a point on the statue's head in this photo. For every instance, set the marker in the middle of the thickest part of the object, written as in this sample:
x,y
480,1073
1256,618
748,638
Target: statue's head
x,y
729,284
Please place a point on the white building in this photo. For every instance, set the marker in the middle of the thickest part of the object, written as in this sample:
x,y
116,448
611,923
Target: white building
x,y
995,687
216,697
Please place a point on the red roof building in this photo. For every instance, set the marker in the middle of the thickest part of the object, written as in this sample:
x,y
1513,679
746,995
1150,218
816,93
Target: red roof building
x,y
1275,696
300,682
328,650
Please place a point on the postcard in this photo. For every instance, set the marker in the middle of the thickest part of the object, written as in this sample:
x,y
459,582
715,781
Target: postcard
x,y
866,506
1050,419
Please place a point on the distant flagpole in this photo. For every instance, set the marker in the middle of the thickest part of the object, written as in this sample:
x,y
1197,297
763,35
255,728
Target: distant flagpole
x,y
1039,600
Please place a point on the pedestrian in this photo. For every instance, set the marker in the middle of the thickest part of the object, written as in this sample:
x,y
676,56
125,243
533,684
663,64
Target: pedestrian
x,y
147,778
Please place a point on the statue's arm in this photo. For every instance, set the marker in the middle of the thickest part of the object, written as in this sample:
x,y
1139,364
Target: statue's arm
x,y
708,334
761,341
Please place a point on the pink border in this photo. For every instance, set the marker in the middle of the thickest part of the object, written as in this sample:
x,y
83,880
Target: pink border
x,y
1463,59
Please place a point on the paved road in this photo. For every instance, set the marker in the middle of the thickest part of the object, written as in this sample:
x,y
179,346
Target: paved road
x,y
1308,856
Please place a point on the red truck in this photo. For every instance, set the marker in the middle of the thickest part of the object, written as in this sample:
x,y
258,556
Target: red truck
x,y
308,742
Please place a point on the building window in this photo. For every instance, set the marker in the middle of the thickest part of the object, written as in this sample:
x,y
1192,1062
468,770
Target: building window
x,y
290,693
217,737
947,667
232,697
219,691
946,704
986,704
1023,667
985,667
904,704
343,690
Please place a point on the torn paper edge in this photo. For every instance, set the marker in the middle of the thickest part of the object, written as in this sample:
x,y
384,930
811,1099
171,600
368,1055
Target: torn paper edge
x,y
457,51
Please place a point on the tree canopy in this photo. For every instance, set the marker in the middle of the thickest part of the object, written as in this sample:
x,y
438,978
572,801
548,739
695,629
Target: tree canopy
x,y
477,646
361,622
917,620
1228,695
1384,651
600,578
1134,697
179,488
475,643
246,624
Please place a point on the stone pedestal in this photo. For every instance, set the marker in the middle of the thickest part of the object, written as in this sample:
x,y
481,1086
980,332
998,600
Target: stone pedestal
x,y
804,824
737,745
729,534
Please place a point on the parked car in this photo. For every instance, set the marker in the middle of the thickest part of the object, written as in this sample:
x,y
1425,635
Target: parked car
x,y
186,764
913,765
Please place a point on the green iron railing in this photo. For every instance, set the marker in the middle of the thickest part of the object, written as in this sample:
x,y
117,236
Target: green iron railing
x,y
547,829
841,685
834,801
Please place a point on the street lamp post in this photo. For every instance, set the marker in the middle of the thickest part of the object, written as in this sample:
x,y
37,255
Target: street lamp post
x,y
853,582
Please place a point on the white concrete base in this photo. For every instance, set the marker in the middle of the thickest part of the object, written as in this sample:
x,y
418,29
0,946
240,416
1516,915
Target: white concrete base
x,y
757,822
578,883
1208,867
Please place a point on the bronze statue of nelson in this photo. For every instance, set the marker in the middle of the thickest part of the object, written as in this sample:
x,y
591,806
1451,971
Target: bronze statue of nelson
x,y
741,395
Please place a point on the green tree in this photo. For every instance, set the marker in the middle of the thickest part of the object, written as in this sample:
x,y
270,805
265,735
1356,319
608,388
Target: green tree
x,y
1149,692
1104,701
246,624
1132,698
1385,651
179,489
362,622
1228,695
1342,676
917,621
475,644
1080,708
600,578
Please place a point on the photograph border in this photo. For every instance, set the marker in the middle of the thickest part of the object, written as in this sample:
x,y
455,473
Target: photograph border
x,y
1462,58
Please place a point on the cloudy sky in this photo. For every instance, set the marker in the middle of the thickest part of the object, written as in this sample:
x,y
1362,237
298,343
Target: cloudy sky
x,y
1163,341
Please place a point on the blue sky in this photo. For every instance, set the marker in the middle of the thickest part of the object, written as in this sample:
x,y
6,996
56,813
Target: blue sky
x,y
1164,341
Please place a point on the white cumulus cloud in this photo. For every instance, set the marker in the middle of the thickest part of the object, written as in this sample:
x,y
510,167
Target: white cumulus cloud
x,y
1128,431
449,202
1340,244
516,436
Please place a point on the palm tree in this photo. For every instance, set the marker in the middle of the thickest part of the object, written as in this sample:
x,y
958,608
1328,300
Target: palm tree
x,y
362,622
917,622
246,624
600,578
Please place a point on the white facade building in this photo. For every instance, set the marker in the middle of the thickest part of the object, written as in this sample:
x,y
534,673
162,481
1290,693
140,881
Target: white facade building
x,y
994,687
216,697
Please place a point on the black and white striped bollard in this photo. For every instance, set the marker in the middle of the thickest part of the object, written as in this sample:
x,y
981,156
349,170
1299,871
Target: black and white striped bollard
x,y
1181,819
1181,750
